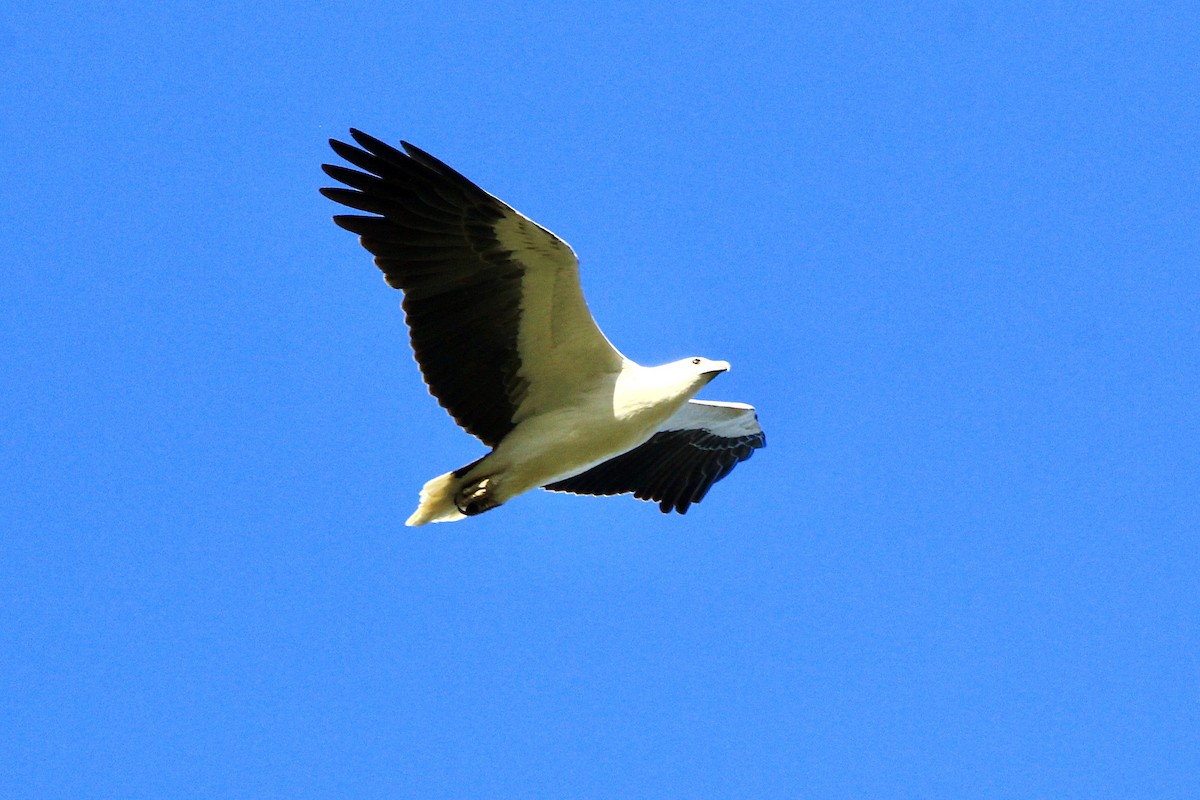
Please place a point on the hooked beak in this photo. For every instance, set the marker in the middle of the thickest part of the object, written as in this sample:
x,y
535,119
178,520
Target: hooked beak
x,y
718,368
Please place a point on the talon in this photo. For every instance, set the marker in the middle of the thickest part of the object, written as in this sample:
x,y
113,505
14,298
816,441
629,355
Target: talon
x,y
474,499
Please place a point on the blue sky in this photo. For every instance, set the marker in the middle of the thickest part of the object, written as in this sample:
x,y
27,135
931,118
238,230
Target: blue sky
x,y
951,250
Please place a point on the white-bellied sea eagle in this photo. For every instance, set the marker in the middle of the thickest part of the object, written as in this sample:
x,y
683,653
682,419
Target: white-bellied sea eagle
x,y
507,345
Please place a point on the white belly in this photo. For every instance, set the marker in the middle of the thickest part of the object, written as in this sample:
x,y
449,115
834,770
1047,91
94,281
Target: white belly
x,y
560,444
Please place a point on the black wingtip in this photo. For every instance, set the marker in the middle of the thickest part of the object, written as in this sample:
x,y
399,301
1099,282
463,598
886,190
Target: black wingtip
x,y
437,165
376,146
344,221
417,154
372,148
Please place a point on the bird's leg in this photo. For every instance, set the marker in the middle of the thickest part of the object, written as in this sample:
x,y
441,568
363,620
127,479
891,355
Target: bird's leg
x,y
475,498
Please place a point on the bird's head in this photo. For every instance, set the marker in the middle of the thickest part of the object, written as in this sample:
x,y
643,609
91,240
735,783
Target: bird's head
x,y
704,369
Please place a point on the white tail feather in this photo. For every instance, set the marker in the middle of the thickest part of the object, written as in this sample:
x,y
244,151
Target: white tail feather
x,y
437,501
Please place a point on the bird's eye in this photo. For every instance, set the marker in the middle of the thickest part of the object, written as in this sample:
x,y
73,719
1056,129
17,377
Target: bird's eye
x,y
696,361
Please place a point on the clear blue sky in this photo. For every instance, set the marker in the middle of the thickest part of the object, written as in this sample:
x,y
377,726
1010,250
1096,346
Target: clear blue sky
x,y
951,250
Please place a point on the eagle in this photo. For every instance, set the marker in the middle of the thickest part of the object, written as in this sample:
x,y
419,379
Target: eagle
x,y
506,344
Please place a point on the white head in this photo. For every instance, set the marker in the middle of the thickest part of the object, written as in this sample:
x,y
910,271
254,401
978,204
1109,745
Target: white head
x,y
696,371
706,368
666,386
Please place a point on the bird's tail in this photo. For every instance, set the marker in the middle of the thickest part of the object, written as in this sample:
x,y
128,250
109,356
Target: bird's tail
x,y
437,501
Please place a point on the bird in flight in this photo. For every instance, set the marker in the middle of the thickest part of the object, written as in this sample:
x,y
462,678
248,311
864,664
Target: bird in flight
x,y
506,344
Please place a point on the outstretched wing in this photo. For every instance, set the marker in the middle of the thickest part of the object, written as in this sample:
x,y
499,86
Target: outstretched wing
x,y
497,318
698,446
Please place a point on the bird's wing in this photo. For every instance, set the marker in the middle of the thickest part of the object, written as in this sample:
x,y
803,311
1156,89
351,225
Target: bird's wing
x,y
698,446
497,317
